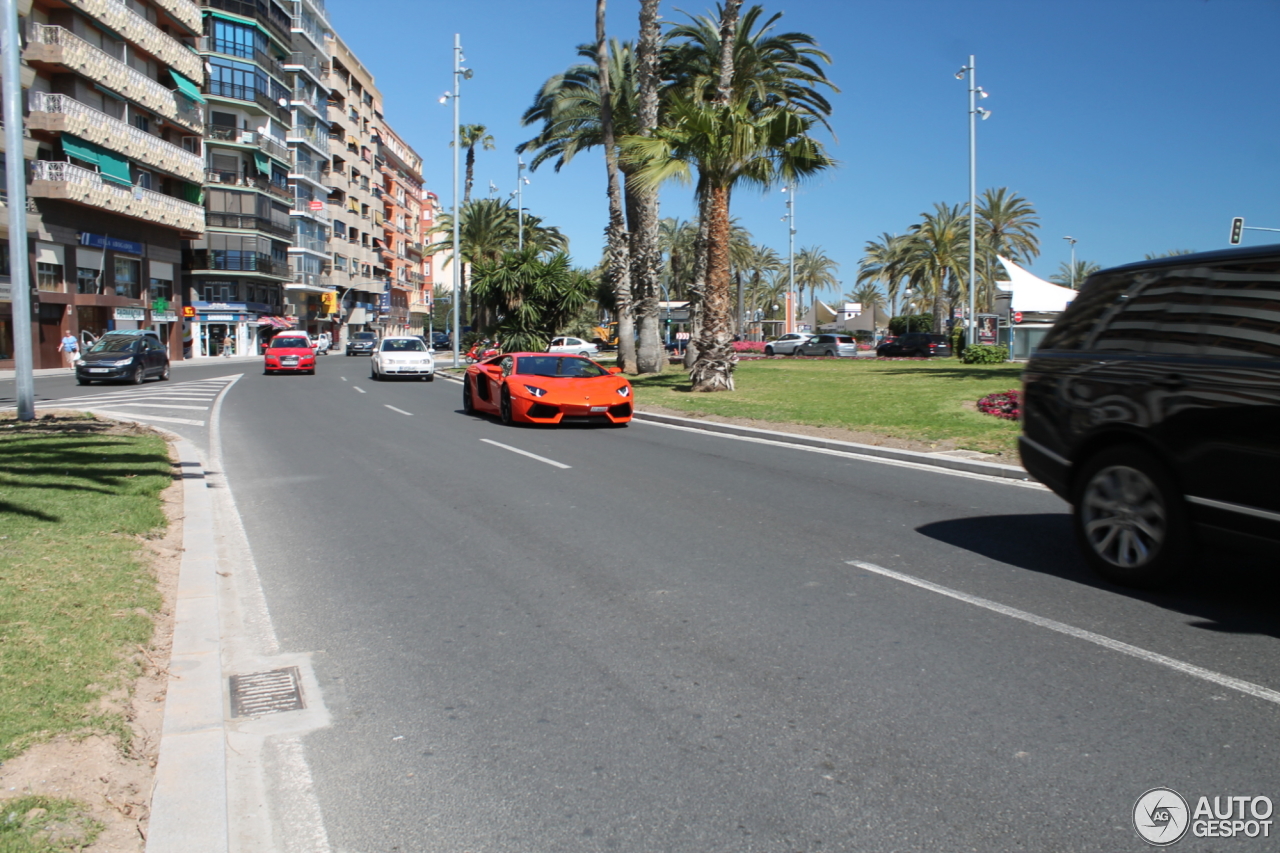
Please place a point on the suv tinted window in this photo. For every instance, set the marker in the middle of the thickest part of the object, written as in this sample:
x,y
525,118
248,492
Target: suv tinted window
x,y
1098,294
1243,312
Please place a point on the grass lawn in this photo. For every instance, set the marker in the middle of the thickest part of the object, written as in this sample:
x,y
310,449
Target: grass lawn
x,y
921,400
75,597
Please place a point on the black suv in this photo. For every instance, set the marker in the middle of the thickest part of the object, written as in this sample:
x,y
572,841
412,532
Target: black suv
x,y
915,344
362,343
1153,406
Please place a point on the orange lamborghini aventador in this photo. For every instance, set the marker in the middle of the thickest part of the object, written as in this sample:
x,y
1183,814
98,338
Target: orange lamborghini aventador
x,y
547,388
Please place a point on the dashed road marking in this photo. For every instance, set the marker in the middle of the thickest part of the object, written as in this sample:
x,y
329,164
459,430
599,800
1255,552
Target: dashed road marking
x,y
526,453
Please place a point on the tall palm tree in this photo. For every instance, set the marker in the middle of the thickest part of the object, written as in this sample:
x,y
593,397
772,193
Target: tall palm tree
x,y
868,295
1007,225
1083,270
816,271
884,262
469,136
939,249
618,270
646,259
676,239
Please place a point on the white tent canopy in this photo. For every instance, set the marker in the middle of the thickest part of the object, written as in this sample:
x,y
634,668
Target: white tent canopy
x,y
1032,294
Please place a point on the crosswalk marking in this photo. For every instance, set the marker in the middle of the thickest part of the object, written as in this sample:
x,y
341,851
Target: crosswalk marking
x,y
175,397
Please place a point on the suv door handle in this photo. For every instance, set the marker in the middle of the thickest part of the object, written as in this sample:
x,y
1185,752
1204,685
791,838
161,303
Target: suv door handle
x,y
1172,381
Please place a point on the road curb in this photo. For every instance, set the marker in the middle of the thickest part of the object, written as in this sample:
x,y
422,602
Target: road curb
x,y
969,466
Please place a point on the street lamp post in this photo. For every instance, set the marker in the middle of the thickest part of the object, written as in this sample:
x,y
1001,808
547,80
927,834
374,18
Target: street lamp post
x,y
975,92
459,74
790,219
23,357
521,180
1072,241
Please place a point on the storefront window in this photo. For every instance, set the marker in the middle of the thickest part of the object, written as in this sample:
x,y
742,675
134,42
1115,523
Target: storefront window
x,y
49,277
86,280
128,278
161,289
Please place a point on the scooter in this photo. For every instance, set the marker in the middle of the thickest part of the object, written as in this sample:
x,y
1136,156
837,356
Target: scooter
x,y
481,350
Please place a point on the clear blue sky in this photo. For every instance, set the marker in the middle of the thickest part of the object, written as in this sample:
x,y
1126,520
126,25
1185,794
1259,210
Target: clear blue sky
x,y
1133,125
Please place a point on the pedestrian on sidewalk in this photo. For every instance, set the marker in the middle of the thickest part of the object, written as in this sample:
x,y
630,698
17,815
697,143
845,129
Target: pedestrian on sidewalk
x,y
70,348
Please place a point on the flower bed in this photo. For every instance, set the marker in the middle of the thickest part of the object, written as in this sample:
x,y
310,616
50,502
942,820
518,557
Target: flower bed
x,y
1006,404
748,346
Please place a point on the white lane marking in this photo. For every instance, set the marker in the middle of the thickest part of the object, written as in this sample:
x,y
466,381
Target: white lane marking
x,y
526,453
158,406
919,466
358,388
343,378
134,416
1247,687
401,411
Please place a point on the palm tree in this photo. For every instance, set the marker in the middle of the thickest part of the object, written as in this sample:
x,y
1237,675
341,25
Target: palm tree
x,y
938,250
817,272
1083,270
676,239
646,259
533,295
868,295
884,262
469,136
1007,225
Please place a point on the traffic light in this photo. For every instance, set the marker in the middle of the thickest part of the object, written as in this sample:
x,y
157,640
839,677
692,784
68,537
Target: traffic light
x,y
1237,230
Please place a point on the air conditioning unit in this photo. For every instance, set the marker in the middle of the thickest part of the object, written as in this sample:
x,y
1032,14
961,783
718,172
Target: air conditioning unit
x,y
290,310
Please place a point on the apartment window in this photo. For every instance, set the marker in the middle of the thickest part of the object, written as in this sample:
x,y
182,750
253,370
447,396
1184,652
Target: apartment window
x,y
236,39
143,179
218,291
128,278
340,263
49,277
86,280
161,289
142,122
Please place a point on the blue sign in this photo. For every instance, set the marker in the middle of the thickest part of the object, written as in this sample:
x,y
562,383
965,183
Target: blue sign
x,y
101,241
384,303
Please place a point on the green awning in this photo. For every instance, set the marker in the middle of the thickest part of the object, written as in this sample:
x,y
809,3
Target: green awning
x,y
186,87
260,160
191,192
81,150
114,168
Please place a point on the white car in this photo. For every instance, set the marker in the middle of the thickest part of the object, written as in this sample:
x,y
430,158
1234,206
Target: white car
x,y
402,355
786,345
574,346
320,343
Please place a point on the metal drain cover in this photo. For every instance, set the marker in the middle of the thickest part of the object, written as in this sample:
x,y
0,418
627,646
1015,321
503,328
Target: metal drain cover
x,y
266,693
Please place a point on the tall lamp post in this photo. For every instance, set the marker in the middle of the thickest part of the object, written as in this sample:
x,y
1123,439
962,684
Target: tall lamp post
x,y
975,92
23,357
521,181
1072,241
459,74
790,219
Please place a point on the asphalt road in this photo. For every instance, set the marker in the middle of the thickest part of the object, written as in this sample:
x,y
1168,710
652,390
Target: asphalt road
x,y
666,646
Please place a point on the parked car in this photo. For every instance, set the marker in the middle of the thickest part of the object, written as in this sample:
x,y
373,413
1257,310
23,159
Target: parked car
x,y
321,343
574,346
289,352
543,388
123,357
1152,404
362,343
441,340
402,355
829,345
786,344
915,344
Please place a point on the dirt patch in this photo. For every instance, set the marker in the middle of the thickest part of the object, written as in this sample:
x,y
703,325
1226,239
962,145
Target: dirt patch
x,y
113,780
834,433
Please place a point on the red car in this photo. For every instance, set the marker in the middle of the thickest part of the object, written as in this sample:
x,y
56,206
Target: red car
x,y
547,388
291,353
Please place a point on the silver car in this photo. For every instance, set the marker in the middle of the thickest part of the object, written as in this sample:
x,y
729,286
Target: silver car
x,y
831,346
574,346
786,345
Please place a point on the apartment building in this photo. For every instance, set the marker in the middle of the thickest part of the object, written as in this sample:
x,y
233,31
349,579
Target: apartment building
x,y
113,150
400,171
236,273
355,108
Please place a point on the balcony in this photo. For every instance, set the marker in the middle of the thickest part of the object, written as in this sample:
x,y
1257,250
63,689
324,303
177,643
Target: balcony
x,y
64,114
224,260
263,11
261,141
241,179
242,92
311,244
184,12
83,186
318,70
319,177
302,207
217,219
146,35
316,137
209,44
55,46
312,101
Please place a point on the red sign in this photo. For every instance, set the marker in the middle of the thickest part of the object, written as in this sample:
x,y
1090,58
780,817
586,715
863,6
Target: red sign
x,y
316,204
1017,316
188,311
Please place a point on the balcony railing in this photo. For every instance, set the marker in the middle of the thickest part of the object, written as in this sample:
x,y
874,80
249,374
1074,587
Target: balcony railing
x,y
184,12
318,70
319,176
248,137
137,29
312,244
243,92
241,179
311,100
235,261
270,64
64,113
310,27
217,219
302,207
84,186
58,46
264,11
317,137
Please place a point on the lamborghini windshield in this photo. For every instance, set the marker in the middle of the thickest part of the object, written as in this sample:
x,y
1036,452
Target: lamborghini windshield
x,y
559,366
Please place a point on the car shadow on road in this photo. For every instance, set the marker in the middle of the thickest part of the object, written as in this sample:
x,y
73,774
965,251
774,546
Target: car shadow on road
x,y
1229,592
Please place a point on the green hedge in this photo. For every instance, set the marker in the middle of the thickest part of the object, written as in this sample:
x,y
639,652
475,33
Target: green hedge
x,y
985,354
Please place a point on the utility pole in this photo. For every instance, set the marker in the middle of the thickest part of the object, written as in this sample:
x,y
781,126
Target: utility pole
x,y
16,178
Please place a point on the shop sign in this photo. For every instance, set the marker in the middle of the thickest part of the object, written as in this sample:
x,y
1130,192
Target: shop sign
x,y
101,241
219,318
164,317
130,314
6,293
